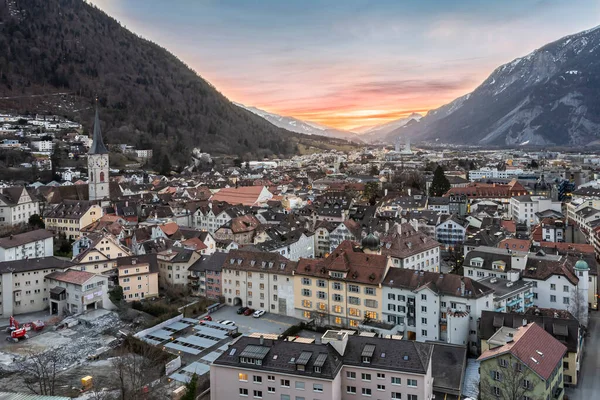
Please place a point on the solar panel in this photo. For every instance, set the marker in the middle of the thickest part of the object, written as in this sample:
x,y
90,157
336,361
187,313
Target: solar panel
x,y
304,357
368,350
256,352
320,361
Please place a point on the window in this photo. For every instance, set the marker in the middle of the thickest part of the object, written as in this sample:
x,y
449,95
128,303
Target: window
x,y
243,377
305,292
552,286
503,362
285,383
412,397
411,382
391,296
365,377
527,384
337,309
353,300
351,389
423,309
423,332
337,286
307,303
496,376
380,375
257,379
354,288
380,387
366,391
424,321
271,378
321,283
565,300
321,295
371,303
497,391
565,288
552,298
285,397
396,380
337,297
396,396
258,394
350,375
299,385
271,389
370,291
317,387
424,297
305,281
243,392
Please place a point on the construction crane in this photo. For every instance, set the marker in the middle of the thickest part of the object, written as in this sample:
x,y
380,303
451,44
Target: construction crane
x,y
16,333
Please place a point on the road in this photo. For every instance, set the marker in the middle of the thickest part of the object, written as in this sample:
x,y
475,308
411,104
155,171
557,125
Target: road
x,y
589,384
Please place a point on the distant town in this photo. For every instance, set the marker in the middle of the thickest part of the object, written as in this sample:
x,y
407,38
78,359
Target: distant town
x,y
393,271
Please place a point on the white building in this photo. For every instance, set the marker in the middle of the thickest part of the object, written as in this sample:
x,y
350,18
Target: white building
x,y
452,231
523,208
493,173
411,249
259,280
44,146
33,244
16,206
299,245
434,306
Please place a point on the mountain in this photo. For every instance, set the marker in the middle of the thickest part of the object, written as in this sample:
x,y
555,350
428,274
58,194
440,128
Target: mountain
x,y
549,97
59,55
295,125
379,132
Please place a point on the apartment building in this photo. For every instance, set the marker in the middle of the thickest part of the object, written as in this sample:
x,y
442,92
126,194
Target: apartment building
x,y
205,275
260,280
33,244
173,266
451,231
321,238
347,230
510,296
71,216
77,291
527,359
22,284
433,306
98,245
523,209
216,214
562,325
337,367
138,276
16,206
411,249
342,289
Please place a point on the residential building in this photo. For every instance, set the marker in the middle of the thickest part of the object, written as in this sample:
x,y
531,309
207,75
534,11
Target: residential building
x,y
259,280
321,237
16,206
87,247
347,230
296,244
243,195
527,359
76,291
44,146
339,367
523,209
71,216
239,229
510,296
205,275
138,276
492,191
22,284
32,244
411,249
173,266
342,289
553,230
434,306
439,204
451,231
562,325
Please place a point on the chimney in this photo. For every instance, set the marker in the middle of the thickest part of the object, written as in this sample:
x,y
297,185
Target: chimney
x,y
262,340
387,226
462,287
385,192
409,191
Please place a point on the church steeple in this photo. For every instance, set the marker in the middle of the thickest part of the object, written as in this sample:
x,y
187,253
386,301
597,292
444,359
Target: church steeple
x,y
98,146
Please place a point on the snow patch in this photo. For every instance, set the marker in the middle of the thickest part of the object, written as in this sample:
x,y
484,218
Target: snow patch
x,y
573,72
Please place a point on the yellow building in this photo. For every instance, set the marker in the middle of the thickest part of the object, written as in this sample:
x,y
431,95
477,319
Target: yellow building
x,y
71,216
96,252
343,289
173,265
138,276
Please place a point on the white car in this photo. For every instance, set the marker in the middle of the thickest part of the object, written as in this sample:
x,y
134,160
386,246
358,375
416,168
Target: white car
x,y
227,322
258,313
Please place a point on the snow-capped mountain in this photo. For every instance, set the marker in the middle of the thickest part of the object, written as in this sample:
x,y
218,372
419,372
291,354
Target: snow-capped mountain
x,y
299,126
547,97
379,132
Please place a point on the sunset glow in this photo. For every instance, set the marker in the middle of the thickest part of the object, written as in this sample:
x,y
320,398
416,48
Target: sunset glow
x,y
349,63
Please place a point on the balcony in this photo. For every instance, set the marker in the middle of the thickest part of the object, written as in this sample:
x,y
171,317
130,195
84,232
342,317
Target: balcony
x,y
529,295
500,309
520,309
514,302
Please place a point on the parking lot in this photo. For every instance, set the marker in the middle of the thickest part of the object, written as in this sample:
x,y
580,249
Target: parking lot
x,y
268,323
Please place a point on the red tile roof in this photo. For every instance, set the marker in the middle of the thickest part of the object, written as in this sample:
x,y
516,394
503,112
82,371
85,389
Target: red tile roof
x,y
510,226
528,342
195,243
71,276
169,228
515,244
245,195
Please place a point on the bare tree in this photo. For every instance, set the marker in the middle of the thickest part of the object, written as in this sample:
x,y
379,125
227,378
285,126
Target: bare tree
x,y
40,370
578,306
508,379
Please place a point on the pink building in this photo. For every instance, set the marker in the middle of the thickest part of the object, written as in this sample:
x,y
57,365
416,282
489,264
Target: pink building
x,y
336,367
205,275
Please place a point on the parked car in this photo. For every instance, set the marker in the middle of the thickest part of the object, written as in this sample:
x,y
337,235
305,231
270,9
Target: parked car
x,y
249,311
227,322
259,313
242,310
207,318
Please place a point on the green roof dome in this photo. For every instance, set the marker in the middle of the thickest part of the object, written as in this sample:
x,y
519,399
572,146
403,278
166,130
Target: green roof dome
x,y
581,265
371,242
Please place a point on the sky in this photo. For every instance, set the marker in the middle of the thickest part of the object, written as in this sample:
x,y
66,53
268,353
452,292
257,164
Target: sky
x,y
350,63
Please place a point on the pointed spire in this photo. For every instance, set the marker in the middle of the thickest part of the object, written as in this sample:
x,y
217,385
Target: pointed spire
x,y
98,146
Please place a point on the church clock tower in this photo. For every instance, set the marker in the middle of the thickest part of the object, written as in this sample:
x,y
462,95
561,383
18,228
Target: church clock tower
x,y
98,165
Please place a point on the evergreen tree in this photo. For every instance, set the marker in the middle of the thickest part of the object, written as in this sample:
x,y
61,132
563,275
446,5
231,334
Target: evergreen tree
x,y
165,166
440,184
191,388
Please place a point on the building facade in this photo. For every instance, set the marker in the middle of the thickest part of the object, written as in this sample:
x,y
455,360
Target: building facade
x,y
33,244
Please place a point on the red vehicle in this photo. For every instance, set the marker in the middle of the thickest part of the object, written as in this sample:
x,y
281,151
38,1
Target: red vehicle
x,y
249,311
207,318
16,333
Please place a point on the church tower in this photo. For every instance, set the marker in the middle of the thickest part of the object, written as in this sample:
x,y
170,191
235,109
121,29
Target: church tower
x,y
98,165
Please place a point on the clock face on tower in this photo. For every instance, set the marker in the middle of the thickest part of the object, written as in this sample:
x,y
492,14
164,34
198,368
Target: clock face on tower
x,y
101,162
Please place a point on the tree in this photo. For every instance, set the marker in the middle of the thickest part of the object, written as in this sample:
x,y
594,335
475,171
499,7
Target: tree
x,y
371,192
374,170
237,162
36,221
116,294
191,388
505,379
132,372
40,371
578,306
440,184
165,166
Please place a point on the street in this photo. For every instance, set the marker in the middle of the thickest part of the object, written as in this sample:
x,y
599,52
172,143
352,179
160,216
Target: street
x,y
589,384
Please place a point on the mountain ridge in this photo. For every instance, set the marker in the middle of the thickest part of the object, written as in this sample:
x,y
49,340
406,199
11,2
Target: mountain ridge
x,y
546,97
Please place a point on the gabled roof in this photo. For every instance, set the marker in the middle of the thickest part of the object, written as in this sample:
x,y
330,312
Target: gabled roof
x,y
534,347
24,238
71,276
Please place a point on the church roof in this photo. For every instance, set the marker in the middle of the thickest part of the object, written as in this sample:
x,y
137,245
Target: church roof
x,y
98,146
